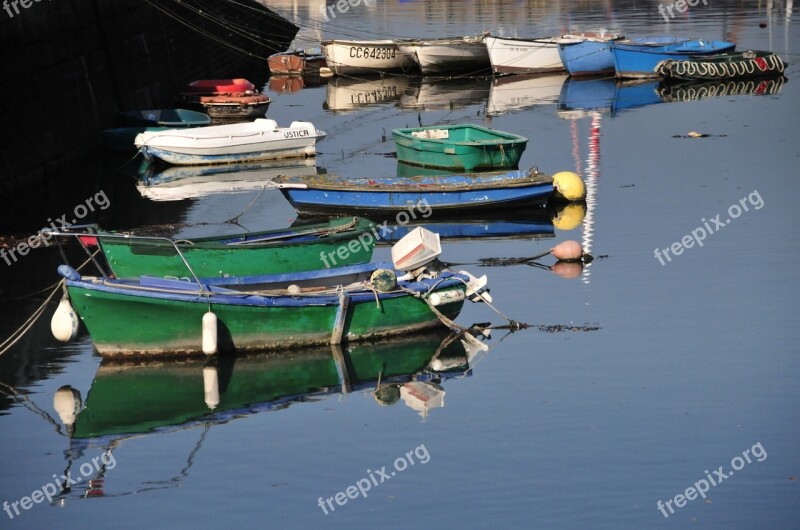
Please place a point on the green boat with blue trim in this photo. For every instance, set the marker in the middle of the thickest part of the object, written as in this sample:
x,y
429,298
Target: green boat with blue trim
x,y
464,147
178,317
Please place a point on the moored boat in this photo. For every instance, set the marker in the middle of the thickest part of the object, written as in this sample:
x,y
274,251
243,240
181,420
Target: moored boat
x,y
261,139
224,98
447,55
426,195
639,57
243,254
156,316
236,105
730,65
121,138
587,54
297,62
523,56
460,147
346,57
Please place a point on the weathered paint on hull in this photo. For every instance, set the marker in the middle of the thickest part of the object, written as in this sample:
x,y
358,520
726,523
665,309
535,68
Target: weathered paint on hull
x,y
123,324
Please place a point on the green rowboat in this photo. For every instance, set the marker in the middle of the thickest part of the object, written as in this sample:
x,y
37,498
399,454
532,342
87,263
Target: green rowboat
x,y
459,147
339,242
158,316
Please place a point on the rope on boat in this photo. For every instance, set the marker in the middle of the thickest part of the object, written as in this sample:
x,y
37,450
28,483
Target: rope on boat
x,y
28,324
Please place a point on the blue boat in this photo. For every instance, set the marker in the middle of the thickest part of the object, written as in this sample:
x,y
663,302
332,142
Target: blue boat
x,y
587,55
639,57
446,194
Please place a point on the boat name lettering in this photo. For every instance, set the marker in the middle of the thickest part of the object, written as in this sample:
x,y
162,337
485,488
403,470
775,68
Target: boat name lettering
x,y
374,96
366,52
295,134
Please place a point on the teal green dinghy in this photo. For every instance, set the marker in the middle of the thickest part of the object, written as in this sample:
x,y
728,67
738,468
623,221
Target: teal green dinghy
x,y
459,147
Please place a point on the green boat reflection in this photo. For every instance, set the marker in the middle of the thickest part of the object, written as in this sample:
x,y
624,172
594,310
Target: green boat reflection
x,y
131,398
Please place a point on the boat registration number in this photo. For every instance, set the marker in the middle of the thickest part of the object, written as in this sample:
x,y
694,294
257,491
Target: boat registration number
x,y
360,52
295,134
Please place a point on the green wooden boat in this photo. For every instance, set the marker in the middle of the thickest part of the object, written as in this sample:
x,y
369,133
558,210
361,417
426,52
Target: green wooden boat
x,y
270,252
129,398
161,316
459,147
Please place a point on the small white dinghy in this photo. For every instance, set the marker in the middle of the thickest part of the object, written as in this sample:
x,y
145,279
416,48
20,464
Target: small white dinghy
x,y
261,139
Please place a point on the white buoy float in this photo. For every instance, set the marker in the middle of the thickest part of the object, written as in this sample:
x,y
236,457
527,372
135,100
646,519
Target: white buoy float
x,y
67,403
568,186
209,333
211,386
64,324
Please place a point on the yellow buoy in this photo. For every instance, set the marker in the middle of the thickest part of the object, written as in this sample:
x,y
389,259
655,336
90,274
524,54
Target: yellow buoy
x,y
64,324
209,333
568,186
570,216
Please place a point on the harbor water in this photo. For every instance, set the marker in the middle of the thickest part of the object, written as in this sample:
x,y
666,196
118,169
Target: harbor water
x,y
656,388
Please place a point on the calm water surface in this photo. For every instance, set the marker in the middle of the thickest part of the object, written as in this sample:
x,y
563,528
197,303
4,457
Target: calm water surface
x,y
694,362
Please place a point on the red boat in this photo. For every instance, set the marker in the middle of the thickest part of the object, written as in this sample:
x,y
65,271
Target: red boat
x,y
219,86
225,98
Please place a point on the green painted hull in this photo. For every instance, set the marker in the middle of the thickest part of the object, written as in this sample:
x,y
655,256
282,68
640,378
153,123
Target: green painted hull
x,y
134,324
217,257
133,398
467,147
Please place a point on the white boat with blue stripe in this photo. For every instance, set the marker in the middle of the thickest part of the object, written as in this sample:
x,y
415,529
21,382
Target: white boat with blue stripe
x,y
261,139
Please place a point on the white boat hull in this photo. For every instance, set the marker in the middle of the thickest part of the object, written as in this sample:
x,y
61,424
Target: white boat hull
x,y
345,57
520,56
447,55
261,139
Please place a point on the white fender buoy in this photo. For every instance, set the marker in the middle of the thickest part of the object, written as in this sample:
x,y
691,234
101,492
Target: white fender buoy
x,y
209,333
567,251
211,386
67,403
64,324
568,186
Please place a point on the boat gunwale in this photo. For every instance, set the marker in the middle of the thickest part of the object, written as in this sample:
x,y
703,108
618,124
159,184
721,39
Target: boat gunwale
x,y
242,241
521,181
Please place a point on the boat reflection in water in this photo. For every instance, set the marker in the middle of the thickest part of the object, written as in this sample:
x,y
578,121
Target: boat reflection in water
x,y
580,98
347,94
132,398
517,92
173,183
135,397
436,93
693,91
